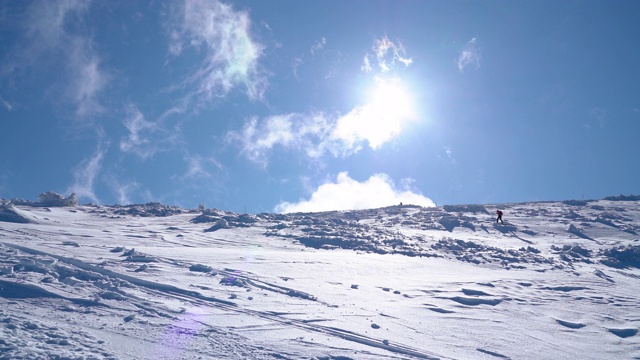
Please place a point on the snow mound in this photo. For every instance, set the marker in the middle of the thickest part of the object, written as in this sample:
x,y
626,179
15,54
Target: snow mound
x,y
8,213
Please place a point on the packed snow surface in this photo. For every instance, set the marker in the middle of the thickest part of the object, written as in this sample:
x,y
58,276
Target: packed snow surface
x,y
557,280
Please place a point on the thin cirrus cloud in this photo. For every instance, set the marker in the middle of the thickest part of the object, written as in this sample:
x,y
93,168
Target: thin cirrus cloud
x,y
7,105
319,45
469,57
230,54
123,190
349,194
139,140
386,54
48,42
301,132
88,170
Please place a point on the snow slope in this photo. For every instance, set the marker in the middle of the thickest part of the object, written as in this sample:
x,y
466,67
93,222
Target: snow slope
x,y
558,280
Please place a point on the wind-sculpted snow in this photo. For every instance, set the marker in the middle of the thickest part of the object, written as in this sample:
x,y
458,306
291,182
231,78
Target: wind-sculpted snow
x,y
556,280
8,214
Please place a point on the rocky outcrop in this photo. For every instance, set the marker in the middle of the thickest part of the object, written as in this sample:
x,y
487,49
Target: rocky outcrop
x,y
51,198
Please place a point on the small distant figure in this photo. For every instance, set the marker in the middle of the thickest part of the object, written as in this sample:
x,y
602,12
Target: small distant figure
x,y
499,217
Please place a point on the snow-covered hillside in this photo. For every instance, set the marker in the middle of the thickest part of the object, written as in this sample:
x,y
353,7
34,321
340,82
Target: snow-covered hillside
x,y
558,280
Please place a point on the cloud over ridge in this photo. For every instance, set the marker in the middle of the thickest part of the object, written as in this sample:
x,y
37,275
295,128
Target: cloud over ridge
x,y
349,194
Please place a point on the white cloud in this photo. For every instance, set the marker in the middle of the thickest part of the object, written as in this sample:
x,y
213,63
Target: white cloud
x,y
6,104
50,42
601,116
378,121
302,132
373,124
449,154
295,64
349,194
199,167
319,45
230,54
387,54
86,172
470,56
87,80
138,141
366,64
123,190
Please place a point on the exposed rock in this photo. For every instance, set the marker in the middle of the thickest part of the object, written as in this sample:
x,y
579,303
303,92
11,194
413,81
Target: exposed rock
x,y
51,198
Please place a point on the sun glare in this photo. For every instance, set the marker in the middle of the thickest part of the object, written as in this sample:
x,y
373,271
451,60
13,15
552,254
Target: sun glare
x,y
380,119
390,100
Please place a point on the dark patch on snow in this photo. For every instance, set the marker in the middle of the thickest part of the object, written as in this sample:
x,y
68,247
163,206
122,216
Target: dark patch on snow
x,y
624,333
220,224
8,214
469,251
475,301
440,310
200,268
465,208
565,288
574,230
471,292
152,209
574,253
492,353
622,257
576,202
569,324
449,223
623,198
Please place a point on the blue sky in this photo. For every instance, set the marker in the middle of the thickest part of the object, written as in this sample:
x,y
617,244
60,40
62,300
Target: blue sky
x,y
286,105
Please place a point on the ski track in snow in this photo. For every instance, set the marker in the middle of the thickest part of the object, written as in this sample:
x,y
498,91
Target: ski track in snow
x,y
156,282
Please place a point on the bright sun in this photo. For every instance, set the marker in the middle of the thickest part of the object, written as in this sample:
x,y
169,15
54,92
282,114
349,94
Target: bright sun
x,y
381,118
390,100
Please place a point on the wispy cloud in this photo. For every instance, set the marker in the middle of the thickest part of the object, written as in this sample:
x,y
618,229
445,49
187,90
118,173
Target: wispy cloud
x,y
138,140
319,45
349,194
50,42
470,56
366,64
87,79
295,64
600,115
230,54
315,134
449,153
386,54
7,105
199,167
300,132
87,171
203,175
123,190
